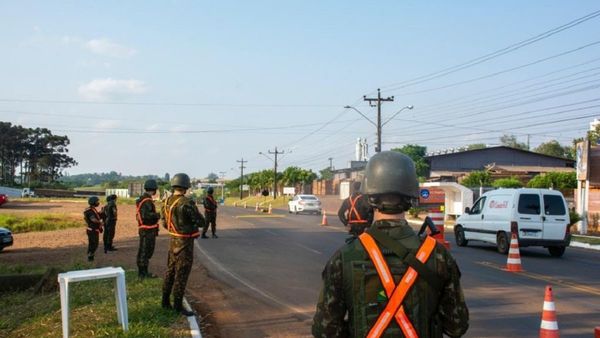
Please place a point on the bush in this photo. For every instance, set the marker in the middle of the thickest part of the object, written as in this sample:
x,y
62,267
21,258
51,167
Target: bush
x,y
512,182
554,180
477,179
574,217
415,211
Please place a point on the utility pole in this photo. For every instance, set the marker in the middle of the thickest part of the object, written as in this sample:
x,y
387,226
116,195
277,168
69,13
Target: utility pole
x,y
275,171
222,184
378,101
330,163
242,178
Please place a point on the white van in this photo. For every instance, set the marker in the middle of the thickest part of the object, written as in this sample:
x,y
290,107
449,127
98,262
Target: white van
x,y
539,217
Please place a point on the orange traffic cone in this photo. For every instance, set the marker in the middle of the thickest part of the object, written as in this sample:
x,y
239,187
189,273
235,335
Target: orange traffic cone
x,y
324,220
256,209
270,209
513,264
549,325
235,204
597,332
245,205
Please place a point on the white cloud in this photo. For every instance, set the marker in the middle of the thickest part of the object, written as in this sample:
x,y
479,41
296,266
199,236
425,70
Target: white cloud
x,y
106,89
107,47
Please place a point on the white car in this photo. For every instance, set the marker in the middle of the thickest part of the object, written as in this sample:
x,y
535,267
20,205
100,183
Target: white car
x,y
304,203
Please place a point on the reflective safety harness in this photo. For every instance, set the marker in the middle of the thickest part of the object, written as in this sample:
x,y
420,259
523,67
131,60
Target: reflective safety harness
x,y
212,203
354,212
171,227
138,215
395,293
97,217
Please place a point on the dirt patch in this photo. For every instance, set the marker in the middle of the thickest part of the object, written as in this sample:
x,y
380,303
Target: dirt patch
x,y
69,246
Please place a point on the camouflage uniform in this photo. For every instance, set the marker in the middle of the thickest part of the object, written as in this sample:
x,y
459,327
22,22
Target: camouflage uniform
x,y
430,313
147,230
210,213
94,227
184,228
362,207
110,224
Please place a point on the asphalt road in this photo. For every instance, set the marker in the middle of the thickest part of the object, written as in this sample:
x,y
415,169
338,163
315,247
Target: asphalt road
x,y
277,261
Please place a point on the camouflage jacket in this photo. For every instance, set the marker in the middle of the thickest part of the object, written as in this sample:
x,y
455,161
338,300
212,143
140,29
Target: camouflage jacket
x,y
92,218
445,309
148,213
110,211
210,205
185,217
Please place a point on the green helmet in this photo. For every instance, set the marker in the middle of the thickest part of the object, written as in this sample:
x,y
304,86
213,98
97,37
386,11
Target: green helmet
x,y
150,185
93,201
181,181
210,190
391,182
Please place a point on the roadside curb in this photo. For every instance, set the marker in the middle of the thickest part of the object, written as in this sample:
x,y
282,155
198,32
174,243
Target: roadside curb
x,y
194,328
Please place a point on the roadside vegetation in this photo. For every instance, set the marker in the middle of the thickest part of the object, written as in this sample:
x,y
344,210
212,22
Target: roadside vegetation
x,y
39,222
93,310
263,202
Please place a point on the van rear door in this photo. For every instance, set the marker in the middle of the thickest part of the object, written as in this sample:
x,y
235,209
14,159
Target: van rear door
x,y
555,217
529,216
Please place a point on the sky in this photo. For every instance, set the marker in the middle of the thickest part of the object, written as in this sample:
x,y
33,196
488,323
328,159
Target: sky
x,y
155,87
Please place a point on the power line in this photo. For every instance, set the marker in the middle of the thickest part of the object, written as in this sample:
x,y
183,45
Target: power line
x,y
492,55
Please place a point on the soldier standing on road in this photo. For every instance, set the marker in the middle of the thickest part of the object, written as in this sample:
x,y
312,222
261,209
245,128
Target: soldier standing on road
x,y
94,226
110,223
147,219
210,213
180,216
388,281
356,211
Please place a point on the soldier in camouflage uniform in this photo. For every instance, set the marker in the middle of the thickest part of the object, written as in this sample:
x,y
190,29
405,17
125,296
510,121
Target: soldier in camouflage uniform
x,y
94,226
147,219
110,223
421,296
210,213
180,216
356,212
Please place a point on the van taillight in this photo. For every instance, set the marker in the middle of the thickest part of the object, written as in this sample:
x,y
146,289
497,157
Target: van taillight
x,y
514,228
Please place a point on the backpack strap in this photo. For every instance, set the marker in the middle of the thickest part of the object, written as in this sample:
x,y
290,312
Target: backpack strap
x,y
408,257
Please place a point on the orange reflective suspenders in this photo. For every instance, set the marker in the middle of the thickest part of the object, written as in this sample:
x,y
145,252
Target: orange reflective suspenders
x,y
354,212
97,217
171,226
138,216
395,294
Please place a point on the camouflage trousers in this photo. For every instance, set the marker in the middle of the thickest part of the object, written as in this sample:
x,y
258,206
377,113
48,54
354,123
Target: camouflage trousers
x,y
179,265
93,239
211,219
146,248
109,234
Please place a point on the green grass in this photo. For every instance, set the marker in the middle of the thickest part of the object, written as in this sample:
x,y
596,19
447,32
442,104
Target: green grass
x,y
263,201
93,312
40,222
592,241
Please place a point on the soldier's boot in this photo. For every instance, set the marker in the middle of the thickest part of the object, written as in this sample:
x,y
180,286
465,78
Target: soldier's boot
x,y
148,274
166,303
178,306
214,235
204,235
141,273
90,258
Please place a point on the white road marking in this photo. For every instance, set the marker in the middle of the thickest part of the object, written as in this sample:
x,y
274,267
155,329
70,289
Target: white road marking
x,y
297,310
194,328
309,249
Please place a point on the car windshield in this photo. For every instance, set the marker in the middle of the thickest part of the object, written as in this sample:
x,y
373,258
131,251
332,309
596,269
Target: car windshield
x,y
308,197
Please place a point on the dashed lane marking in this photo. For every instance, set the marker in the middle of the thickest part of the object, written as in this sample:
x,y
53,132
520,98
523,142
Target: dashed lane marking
x,y
308,249
551,280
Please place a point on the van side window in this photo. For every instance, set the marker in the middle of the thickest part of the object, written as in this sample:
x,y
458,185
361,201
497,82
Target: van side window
x,y
529,204
553,205
478,206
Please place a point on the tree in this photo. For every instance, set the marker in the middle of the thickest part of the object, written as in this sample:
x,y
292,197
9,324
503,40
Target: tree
x,y
511,182
511,141
212,178
476,146
417,154
477,179
553,148
554,180
326,174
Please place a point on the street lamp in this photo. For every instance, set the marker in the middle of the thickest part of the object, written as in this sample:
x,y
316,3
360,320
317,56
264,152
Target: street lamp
x,y
378,125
